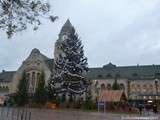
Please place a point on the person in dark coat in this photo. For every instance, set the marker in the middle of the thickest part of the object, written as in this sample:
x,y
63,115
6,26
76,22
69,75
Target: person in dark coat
x,y
148,108
155,108
140,107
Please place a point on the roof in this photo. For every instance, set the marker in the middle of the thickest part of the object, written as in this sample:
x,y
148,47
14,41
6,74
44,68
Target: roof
x,y
67,23
35,52
148,94
112,96
67,28
6,76
130,72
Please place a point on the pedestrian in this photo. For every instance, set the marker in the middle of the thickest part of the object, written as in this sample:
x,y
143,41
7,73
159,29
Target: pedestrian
x,y
140,109
147,108
155,108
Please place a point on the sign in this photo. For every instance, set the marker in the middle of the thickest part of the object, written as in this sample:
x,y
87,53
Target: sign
x,y
103,104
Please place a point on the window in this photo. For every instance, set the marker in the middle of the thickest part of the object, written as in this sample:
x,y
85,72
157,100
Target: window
x,y
133,88
28,76
138,88
117,75
150,88
144,88
144,97
109,86
38,76
109,75
135,75
100,76
157,75
103,87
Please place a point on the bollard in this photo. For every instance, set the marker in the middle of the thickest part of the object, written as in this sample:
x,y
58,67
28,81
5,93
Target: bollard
x,y
22,115
17,114
29,116
26,114
12,115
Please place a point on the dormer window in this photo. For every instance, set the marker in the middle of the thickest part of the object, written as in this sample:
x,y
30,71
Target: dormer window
x,y
135,75
100,76
117,75
109,75
157,75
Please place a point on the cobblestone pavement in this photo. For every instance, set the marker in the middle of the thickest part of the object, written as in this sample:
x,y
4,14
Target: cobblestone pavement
x,y
72,115
46,114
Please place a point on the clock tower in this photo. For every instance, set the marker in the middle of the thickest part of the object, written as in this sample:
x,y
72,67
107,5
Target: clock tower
x,y
66,30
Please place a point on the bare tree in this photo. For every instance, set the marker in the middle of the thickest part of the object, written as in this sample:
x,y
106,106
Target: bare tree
x,y
15,15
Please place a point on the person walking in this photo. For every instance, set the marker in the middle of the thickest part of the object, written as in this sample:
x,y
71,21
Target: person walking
x,y
155,108
140,109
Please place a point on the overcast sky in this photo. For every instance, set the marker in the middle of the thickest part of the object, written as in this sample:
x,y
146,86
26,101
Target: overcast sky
x,y
124,32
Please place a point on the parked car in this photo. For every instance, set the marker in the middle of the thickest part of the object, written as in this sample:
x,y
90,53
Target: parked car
x,y
2,99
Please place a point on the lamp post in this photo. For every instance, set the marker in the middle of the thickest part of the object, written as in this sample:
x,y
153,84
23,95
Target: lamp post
x,y
156,85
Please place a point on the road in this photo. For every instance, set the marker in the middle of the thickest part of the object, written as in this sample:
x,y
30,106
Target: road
x,y
47,114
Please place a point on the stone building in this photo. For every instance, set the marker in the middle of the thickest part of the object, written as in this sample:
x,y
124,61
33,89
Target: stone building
x,y
5,81
33,66
138,82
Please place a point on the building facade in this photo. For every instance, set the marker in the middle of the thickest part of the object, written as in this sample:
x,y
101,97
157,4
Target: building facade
x,y
137,82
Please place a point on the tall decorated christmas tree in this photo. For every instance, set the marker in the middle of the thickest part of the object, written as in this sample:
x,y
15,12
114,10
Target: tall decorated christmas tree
x,y
70,64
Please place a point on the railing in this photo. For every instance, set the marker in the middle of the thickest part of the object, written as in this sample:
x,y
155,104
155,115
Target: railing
x,y
15,114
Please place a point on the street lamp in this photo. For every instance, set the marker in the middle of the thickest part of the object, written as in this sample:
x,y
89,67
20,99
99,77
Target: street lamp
x,y
156,85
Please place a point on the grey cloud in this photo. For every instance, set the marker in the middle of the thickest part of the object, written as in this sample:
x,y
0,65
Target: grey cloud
x,y
124,32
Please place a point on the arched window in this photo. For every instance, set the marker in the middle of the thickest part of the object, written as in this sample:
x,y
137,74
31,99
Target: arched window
x,y
32,82
38,77
109,86
100,76
103,87
151,88
145,88
133,87
108,75
28,79
157,75
28,76
138,88
134,74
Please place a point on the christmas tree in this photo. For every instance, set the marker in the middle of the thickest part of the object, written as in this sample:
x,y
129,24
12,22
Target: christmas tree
x,y
70,63
115,85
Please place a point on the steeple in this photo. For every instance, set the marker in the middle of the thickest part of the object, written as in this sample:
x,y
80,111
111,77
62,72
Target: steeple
x,y
67,28
67,24
35,51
